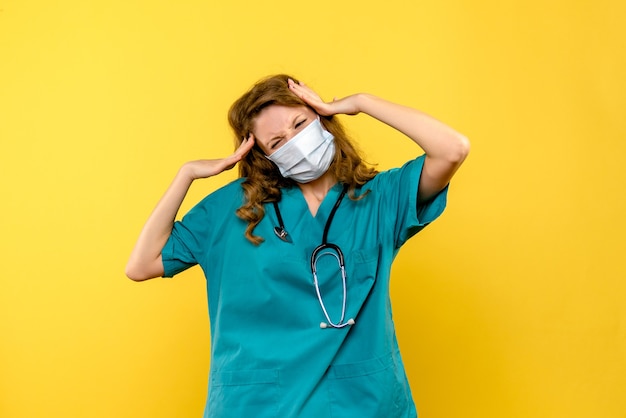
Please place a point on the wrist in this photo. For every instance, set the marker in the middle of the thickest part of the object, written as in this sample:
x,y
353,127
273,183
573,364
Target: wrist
x,y
363,102
186,173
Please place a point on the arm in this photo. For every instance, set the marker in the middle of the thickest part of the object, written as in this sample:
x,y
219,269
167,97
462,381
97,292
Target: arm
x,y
445,148
145,260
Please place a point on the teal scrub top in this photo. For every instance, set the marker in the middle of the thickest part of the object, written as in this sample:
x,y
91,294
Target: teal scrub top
x,y
269,356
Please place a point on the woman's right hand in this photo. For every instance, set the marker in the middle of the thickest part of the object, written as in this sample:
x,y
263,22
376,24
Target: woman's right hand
x,y
146,261
200,169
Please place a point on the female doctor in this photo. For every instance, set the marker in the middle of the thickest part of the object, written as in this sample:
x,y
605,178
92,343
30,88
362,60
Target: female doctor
x,y
297,253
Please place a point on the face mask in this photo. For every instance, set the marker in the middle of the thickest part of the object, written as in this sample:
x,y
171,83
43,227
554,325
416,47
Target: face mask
x,y
307,155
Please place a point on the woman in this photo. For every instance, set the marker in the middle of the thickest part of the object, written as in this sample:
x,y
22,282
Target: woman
x,y
297,253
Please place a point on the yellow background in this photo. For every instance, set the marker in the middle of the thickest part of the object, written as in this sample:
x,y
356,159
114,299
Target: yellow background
x,y
513,304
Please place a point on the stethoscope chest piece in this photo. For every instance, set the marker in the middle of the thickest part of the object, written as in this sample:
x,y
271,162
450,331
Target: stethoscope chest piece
x,y
282,234
280,230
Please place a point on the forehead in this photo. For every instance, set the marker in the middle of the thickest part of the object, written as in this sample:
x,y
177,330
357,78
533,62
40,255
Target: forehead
x,y
274,119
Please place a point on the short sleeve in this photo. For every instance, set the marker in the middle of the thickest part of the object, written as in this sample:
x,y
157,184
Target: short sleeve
x,y
177,254
397,190
193,236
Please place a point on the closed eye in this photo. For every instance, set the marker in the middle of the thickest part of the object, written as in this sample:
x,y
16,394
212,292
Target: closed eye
x,y
276,142
299,124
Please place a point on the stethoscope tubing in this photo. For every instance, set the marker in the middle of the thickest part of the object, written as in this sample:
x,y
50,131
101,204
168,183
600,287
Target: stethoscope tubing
x,y
318,252
339,256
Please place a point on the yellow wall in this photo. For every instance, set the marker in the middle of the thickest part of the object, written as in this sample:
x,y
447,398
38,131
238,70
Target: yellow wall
x,y
513,304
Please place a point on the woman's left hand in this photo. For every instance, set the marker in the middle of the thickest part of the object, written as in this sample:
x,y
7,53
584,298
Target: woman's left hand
x,y
347,105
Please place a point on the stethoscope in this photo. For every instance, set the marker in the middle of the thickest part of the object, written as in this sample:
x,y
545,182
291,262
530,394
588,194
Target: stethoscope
x,y
325,248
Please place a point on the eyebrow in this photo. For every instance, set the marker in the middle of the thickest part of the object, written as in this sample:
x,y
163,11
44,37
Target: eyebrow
x,y
274,136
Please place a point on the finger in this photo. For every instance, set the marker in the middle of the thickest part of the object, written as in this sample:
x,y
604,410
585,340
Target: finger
x,y
249,143
299,87
306,94
243,149
245,146
294,87
245,141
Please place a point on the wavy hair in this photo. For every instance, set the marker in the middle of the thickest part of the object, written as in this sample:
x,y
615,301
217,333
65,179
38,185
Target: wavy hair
x,y
263,180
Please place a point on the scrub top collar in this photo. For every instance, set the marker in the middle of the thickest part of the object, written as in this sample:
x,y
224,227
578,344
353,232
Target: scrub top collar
x,y
326,206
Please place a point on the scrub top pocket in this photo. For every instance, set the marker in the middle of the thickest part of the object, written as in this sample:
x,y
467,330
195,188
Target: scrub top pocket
x,y
362,265
361,268
243,393
369,389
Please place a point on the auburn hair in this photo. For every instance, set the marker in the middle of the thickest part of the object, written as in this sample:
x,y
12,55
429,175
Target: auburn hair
x,y
263,180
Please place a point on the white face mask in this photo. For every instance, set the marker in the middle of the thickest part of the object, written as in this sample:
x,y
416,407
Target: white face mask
x,y
307,155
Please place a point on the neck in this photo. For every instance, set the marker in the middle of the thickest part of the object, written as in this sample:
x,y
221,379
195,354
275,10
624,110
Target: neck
x,y
315,191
